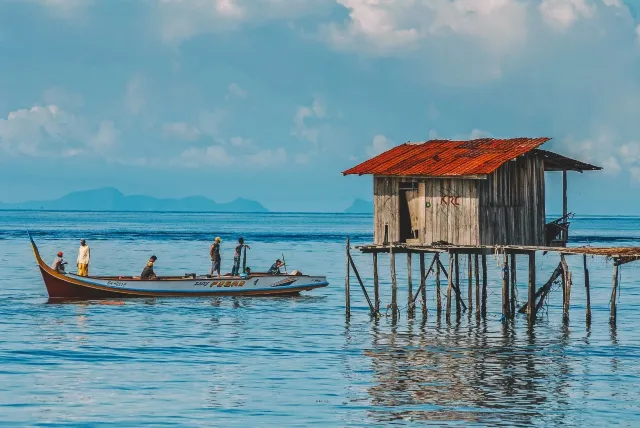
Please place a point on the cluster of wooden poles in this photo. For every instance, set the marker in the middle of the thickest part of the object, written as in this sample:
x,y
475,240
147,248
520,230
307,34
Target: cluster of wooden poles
x,y
476,283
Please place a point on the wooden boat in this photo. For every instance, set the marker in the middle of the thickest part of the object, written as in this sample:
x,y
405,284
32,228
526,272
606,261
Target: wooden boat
x,y
70,286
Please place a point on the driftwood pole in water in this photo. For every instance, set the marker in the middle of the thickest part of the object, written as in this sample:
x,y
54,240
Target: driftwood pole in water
x,y
532,287
484,285
477,275
505,287
565,285
347,295
423,285
470,284
457,290
614,291
376,284
438,290
394,283
586,286
512,310
449,285
410,286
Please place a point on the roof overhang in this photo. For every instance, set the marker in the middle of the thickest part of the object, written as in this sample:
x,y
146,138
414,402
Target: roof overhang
x,y
555,162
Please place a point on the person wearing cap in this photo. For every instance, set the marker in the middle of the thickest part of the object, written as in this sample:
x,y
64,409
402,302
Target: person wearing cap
x,y
84,254
236,257
58,263
147,272
214,253
275,268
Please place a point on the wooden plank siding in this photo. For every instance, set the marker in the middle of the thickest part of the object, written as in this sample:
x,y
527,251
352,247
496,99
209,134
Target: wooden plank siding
x,y
512,210
386,208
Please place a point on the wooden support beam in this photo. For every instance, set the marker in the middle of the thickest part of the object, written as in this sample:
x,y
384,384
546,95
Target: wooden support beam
x,y
531,304
376,283
565,235
565,281
505,287
484,285
586,286
394,283
477,275
543,291
364,290
457,284
449,285
438,291
470,284
410,286
512,294
423,284
347,293
566,306
614,292
456,289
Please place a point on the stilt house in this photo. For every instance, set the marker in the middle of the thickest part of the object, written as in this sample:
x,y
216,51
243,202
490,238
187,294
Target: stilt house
x,y
478,192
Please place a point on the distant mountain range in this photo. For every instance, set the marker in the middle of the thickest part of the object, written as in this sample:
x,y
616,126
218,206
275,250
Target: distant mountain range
x,y
110,199
360,206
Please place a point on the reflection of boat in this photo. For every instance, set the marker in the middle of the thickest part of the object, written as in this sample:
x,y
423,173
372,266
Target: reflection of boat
x,y
70,286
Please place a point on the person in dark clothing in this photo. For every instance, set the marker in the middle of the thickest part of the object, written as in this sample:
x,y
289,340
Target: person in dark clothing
x,y
237,255
147,272
214,253
275,268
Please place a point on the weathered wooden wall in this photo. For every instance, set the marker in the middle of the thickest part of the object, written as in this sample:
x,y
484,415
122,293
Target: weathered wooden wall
x,y
451,211
512,203
506,208
385,208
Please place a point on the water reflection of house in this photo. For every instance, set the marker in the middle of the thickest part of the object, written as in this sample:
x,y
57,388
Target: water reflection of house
x,y
479,192
462,375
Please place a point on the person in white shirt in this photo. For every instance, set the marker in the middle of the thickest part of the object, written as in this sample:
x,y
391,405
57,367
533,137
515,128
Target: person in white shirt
x,y
84,254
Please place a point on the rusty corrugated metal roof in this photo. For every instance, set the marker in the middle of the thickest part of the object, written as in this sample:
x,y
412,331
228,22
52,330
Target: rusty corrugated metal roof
x,y
444,158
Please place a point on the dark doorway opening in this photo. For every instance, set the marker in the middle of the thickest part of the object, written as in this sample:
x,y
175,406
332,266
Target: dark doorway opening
x,y
407,198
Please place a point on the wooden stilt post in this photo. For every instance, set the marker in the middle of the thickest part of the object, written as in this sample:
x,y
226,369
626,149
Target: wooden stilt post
x,y
614,292
410,286
566,309
565,235
484,285
438,290
477,275
347,292
512,309
586,286
394,283
565,282
470,284
532,287
423,285
449,285
505,287
458,297
376,284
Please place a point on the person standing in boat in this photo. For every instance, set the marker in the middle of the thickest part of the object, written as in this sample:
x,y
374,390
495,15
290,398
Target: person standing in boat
x,y
275,268
236,257
147,272
58,263
214,252
84,254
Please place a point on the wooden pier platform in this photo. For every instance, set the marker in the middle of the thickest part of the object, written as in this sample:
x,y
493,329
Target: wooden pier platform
x,y
476,276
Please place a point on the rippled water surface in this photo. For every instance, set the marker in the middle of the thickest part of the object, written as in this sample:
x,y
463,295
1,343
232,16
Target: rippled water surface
x,y
295,361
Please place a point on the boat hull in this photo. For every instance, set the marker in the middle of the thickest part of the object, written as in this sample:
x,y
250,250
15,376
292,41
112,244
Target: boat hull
x,y
70,286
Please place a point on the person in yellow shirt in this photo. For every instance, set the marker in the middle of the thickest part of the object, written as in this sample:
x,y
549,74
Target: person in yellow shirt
x,y
84,254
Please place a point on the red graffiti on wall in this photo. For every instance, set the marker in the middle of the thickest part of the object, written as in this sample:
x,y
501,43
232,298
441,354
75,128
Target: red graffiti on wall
x,y
450,200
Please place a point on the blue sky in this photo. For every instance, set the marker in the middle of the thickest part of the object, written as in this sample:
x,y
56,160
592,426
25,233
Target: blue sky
x,y
272,99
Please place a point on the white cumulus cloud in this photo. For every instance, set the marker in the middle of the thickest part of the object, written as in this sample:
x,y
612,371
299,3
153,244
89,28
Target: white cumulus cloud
x,y
379,145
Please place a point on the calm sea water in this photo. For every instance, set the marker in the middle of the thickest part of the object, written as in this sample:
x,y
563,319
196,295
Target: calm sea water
x,y
296,361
